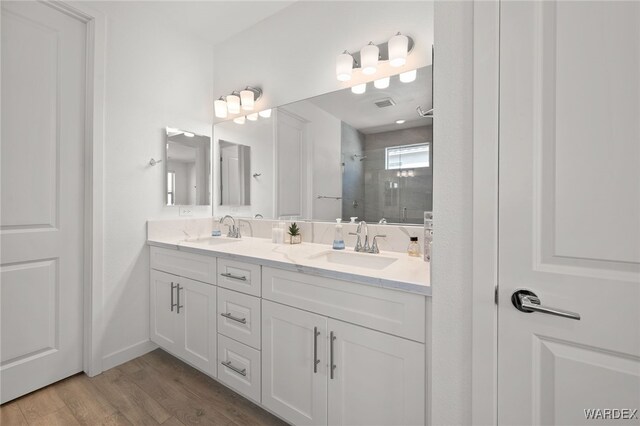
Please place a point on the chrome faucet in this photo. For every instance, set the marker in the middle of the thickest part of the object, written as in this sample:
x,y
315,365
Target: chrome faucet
x,y
363,229
234,231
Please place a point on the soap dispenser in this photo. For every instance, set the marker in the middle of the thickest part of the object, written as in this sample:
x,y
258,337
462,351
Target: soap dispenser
x,y
338,239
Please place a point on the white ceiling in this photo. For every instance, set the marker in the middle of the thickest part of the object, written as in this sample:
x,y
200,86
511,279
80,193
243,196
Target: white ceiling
x,y
360,111
211,20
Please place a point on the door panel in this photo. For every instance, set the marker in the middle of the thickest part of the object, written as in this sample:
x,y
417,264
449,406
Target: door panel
x,y
291,156
290,387
569,209
378,379
197,321
42,199
164,323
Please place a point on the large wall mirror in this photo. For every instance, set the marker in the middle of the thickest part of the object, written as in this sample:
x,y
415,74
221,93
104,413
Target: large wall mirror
x,y
187,168
365,153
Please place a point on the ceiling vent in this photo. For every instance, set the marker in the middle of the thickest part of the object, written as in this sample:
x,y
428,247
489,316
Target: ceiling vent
x,y
384,103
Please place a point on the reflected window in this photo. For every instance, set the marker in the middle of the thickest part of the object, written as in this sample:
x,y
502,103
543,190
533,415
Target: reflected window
x,y
407,156
171,185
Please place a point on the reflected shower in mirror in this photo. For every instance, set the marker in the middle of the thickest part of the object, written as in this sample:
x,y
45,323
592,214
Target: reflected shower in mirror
x,y
187,168
343,154
235,170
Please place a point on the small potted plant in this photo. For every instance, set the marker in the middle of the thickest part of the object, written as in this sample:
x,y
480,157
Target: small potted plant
x,y
294,232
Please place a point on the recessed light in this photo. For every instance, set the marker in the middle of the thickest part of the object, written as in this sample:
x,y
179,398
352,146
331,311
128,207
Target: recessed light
x,y
400,121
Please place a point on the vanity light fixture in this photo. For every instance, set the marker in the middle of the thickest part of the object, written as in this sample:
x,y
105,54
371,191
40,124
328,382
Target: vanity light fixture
x,y
239,120
359,89
369,56
188,134
220,107
382,83
409,76
265,113
398,49
252,116
401,121
395,51
233,103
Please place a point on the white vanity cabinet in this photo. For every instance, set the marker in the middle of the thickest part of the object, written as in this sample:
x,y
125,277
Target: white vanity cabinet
x,y
183,310
321,370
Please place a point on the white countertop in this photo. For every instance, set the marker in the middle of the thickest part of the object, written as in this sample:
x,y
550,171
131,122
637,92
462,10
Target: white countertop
x,y
409,274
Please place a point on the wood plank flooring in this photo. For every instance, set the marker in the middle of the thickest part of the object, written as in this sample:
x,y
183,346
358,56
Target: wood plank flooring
x,y
155,389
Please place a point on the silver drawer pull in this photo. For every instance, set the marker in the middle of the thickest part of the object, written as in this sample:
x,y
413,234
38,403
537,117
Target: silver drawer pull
x,y
230,366
231,317
234,277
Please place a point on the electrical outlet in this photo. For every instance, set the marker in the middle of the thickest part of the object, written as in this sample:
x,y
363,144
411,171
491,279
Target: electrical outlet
x,y
185,211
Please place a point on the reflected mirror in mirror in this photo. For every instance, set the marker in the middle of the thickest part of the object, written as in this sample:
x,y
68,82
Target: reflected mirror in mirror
x,y
345,154
235,169
187,168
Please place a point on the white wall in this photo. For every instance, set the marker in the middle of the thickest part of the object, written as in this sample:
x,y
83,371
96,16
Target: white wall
x,y
154,78
325,139
452,211
291,54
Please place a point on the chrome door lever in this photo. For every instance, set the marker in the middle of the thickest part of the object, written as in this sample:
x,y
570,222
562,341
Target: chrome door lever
x,y
528,302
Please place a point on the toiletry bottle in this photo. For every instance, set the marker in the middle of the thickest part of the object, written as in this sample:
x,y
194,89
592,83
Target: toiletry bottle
x,y
338,239
413,249
215,232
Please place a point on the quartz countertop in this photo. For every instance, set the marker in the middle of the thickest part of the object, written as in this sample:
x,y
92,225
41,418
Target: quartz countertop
x,y
408,274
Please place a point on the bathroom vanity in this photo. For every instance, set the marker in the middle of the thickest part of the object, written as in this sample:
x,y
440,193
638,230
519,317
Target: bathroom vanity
x,y
313,335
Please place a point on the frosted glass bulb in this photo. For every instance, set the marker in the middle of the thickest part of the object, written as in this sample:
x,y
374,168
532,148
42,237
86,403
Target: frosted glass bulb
x,y
239,120
359,89
252,117
398,48
369,58
220,107
247,100
408,77
344,67
233,104
265,113
381,83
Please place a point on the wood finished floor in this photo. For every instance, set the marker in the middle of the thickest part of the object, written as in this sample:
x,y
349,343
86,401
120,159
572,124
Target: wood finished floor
x,y
155,389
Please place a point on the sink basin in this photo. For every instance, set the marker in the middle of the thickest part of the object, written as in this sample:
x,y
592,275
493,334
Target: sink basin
x,y
214,241
359,260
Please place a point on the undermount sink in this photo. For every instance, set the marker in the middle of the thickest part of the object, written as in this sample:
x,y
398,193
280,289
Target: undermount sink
x,y
214,241
360,260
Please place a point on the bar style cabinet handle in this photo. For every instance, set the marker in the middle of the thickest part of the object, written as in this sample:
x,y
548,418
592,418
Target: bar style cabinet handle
x,y
316,361
173,286
231,317
234,277
178,305
230,366
332,338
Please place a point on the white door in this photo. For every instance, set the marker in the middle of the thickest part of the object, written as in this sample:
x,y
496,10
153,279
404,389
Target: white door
x,y
196,308
291,166
42,201
164,315
377,379
569,213
294,364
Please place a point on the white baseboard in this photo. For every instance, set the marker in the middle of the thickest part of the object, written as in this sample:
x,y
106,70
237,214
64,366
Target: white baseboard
x,y
121,356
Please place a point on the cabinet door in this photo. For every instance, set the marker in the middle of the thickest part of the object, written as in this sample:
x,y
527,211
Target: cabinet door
x,y
163,313
378,379
294,385
197,323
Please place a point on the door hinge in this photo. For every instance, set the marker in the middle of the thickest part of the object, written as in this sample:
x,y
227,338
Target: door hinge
x,y
495,295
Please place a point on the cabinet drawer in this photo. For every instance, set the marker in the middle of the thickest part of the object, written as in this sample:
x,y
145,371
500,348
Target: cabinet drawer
x,y
239,276
190,265
239,367
239,317
395,312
